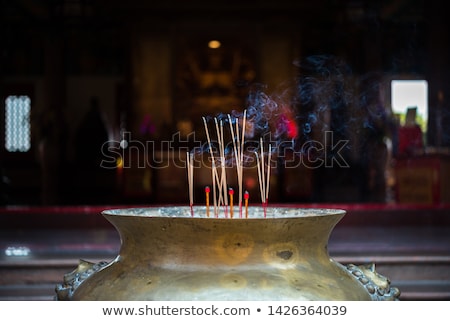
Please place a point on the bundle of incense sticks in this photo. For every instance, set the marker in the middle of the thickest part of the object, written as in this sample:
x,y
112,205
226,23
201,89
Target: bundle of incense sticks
x,y
218,170
238,146
264,175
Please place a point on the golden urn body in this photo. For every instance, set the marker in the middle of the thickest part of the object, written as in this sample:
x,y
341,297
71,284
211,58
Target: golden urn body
x,y
170,253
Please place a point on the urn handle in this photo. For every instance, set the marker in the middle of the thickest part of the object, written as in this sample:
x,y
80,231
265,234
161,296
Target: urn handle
x,y
73,279
377,285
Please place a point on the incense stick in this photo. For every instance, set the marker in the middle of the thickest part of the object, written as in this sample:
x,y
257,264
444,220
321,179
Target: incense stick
x,y
231,193
246,197
260,178
213,167
237,158
241,161
223,176
262,173
268,174
190,170
207,200
192,177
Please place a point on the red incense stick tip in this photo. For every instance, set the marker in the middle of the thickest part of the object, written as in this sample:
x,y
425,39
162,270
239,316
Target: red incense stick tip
x,y
246,195
207,189
230,191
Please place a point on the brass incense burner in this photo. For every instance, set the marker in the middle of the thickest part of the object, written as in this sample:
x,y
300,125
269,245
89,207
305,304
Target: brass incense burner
x,y
172,253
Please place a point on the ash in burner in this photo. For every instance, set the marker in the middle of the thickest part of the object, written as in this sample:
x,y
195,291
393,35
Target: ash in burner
x,y
255,212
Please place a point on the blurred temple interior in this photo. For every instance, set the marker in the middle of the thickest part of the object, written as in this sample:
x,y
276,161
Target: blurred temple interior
x,y
103,100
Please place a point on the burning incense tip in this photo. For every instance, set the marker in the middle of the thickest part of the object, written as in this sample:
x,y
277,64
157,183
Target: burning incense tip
x,y
207,190
231,193
246,197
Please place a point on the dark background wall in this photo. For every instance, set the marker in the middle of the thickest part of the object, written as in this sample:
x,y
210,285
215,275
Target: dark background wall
x,y
134,61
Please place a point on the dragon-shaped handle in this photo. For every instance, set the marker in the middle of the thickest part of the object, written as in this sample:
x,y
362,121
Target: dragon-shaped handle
x,y
378,286
73,279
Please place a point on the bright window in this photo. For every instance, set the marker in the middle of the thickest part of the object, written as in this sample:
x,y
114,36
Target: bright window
x,y
17,124
410,94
